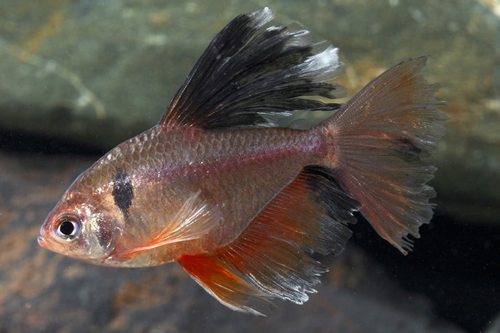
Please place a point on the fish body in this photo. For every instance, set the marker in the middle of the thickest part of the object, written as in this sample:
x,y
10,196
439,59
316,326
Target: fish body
x,y
179,163
242,204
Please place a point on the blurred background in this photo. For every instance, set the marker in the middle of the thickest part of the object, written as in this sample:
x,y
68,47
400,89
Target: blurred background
x,y
78,77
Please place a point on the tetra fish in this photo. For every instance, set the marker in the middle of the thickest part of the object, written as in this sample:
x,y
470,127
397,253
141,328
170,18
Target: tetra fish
x,y
240,203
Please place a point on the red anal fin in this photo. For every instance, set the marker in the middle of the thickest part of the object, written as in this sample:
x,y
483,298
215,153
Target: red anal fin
x,y
270,259
224,283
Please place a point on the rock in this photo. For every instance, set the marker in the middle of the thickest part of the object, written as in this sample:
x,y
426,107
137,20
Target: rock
x,y
494,326
101,72
45,292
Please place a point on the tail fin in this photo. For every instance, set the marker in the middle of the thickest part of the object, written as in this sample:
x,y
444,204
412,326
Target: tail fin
x,y
382,142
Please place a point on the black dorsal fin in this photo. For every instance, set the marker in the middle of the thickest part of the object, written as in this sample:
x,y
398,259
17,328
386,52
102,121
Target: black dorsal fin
x,y
246,75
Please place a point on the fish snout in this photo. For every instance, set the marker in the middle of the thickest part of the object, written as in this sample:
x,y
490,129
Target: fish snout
x,y
41,241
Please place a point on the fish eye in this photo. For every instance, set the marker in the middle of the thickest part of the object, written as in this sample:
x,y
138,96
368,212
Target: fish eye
x,y
68,228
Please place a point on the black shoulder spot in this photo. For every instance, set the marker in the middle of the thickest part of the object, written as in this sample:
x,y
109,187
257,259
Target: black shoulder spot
x,y
123,191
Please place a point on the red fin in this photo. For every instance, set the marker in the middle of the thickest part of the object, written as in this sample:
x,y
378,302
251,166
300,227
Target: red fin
x,y
224,283
270,258
382,139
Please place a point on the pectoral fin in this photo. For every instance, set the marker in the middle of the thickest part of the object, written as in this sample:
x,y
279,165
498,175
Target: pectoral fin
x,y
195,219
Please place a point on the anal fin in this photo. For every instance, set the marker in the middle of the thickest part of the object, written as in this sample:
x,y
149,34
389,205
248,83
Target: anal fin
x,y
271,257
224,283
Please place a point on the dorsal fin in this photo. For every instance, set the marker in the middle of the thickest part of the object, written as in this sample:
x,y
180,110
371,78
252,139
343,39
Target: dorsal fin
x,y
271,257
245,75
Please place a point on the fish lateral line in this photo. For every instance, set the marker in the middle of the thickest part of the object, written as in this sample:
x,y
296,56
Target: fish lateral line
x,y
231,155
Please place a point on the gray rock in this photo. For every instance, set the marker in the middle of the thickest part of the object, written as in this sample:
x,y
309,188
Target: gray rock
x,y
101,72
494,326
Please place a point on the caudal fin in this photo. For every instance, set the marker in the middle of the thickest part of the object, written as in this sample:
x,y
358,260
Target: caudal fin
x,y
383,139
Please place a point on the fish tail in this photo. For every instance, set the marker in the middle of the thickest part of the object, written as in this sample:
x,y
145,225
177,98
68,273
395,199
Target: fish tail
x,y
381,146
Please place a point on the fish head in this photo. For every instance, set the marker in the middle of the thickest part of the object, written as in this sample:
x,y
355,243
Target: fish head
x,y
79,227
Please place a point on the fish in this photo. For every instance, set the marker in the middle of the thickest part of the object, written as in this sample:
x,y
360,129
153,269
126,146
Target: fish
x,y
246,206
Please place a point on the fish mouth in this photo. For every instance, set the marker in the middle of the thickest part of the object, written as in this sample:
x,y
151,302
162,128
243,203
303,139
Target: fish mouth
x,y
41,241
